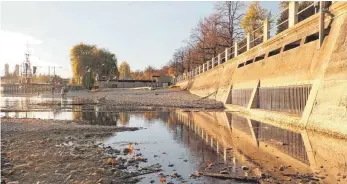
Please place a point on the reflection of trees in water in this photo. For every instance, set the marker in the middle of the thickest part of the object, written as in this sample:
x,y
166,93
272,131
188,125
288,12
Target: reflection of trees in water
x,y
76,112
152,116
124,118
98,118
137,115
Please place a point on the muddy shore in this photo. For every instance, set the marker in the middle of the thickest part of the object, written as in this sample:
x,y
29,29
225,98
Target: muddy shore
x,y
46,151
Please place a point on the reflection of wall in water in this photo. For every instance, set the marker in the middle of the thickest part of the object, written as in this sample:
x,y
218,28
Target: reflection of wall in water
x,y
240,123
288,142
195,143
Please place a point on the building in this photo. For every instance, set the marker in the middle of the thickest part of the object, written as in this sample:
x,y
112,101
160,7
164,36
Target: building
x,y
163,81
125,83
7,69
16,70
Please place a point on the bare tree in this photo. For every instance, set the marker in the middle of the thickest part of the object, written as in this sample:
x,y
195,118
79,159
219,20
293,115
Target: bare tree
x,y
231,13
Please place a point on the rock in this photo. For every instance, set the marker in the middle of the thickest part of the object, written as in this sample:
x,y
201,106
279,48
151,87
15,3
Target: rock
x,y
122,167
155,156
281,168
185,160
175,175
152,181
37,169
104,181
7,164
68,178
194,175
344,177
224,172
20,167
126,151
171,165
13,182
245,168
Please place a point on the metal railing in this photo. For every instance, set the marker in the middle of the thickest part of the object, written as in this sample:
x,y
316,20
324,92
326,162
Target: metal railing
x,y
262,33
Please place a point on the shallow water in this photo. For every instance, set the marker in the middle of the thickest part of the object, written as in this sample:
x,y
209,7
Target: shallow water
x,y
190,140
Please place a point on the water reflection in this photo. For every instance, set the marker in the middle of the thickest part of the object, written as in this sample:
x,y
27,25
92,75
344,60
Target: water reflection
x,y
268,147
216,137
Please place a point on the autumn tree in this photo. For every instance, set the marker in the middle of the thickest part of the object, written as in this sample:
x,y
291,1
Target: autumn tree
x,y
100,61
124,71
254,18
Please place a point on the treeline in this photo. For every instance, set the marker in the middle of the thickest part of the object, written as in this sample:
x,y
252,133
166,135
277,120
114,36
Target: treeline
x,y
229,22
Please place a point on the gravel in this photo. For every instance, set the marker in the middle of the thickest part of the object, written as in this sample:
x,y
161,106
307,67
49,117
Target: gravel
x,y
173,98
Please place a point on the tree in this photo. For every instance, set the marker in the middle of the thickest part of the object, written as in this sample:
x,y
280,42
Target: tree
x,y
231,13
254,18
124,71
101,61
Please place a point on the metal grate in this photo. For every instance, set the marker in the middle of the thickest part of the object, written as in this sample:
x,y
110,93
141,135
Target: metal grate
x,y
285,99
240,96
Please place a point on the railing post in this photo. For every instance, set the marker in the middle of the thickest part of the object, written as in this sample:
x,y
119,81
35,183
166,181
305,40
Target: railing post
x,y
226,55
236,49
219,59
212,65
266,31
203,67
321,22
293,11
249,37
199,69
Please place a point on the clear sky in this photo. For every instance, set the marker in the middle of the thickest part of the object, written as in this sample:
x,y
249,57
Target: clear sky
x,y
141,33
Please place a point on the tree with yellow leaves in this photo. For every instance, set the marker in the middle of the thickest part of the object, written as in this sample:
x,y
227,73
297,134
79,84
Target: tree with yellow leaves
x,y
254,18
99,61
124,71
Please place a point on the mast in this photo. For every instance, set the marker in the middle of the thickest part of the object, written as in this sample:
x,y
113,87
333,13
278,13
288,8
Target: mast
x,y
27,72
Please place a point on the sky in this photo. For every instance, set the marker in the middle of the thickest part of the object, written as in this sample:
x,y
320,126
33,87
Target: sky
x,y
140,33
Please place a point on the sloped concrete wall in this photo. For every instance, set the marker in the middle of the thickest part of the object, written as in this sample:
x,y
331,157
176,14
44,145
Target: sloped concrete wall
x,y
324,67
329,110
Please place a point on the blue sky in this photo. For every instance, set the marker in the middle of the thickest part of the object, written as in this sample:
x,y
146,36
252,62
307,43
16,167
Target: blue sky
x,y
141,33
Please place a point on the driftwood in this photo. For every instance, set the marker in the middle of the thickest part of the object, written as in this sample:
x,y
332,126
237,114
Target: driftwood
x,y
228,176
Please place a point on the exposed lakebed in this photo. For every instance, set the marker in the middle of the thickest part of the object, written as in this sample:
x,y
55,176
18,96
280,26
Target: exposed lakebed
x,y
185,141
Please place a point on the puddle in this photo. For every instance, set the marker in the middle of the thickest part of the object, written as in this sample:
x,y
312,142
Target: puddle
x,y
191,140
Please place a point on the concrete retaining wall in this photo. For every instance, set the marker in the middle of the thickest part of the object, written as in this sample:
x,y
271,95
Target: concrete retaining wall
x,y
324,67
